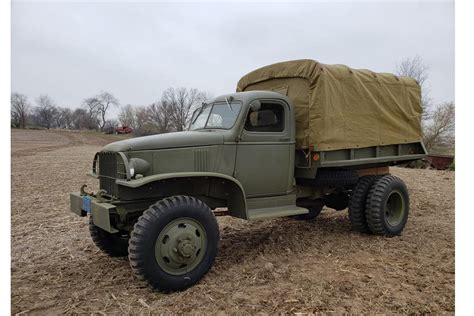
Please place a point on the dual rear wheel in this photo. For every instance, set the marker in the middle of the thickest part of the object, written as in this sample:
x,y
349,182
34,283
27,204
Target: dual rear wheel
x,y
379,205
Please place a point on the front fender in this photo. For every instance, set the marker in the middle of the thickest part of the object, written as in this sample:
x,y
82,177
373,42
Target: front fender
x,y
221,186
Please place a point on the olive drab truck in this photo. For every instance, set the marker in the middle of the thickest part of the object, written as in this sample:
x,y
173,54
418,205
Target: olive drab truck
x,y
296,136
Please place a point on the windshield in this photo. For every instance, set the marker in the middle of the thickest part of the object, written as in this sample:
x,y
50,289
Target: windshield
x,y
217,115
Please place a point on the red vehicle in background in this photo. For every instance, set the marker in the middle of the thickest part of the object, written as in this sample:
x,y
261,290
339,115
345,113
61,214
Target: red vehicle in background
x,y
123,130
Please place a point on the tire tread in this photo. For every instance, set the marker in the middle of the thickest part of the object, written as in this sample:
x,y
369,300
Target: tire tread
x,y
357,204
375,203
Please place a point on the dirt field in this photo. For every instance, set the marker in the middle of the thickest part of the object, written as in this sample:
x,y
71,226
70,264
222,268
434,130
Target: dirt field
x,y
269,266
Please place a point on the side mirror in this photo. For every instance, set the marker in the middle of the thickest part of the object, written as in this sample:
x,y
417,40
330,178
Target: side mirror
x,y
255,105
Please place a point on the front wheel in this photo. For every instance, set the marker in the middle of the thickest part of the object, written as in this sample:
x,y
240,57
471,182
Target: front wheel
x,y
387,206
174,243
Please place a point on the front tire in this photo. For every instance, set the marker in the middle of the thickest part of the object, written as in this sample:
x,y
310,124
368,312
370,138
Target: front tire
x,y
174,243
387,206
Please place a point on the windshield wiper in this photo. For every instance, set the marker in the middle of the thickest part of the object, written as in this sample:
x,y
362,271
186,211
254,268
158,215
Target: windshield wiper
x,y
228,104
200,111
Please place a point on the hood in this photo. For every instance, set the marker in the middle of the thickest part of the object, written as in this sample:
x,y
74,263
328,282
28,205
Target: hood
x,y
168,140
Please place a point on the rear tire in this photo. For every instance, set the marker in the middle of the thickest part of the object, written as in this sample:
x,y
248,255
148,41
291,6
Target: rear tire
x,y
387,206
114,245
174,243
357,204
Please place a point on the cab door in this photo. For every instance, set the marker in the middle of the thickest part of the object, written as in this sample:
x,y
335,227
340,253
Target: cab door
x,y
264,163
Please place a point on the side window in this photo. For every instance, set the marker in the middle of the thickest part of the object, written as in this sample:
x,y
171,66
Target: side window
x,y
268,118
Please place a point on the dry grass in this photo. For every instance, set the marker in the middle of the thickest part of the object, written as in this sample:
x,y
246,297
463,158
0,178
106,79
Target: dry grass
x,y
267,266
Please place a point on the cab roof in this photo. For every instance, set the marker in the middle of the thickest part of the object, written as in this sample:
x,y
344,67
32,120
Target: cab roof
x,y
248,96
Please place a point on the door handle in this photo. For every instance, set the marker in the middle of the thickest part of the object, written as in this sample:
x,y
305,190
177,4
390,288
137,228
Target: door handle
x,y
285,139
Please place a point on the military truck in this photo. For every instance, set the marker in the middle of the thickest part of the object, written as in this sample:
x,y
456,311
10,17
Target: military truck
x,y
295,137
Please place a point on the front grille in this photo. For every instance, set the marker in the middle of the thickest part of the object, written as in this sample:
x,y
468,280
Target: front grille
x,y
111,167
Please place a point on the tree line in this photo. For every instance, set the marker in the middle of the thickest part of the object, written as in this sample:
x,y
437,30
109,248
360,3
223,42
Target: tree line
x,y
171,112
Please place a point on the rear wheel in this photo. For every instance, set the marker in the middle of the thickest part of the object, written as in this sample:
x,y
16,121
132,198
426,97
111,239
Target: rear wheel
x,y
174,243
387,206
114,245
357,204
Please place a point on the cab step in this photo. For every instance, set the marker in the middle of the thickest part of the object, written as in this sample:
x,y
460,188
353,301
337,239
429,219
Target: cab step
x,y
273,212
272,207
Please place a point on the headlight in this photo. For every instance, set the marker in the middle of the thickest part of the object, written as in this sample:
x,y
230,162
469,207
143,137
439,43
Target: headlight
x,y
138,166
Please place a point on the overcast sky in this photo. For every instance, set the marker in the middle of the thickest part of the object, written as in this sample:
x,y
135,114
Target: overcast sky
x,y
74,50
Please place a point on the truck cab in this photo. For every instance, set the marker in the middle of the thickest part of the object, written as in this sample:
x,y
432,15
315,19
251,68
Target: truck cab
x,y
261,135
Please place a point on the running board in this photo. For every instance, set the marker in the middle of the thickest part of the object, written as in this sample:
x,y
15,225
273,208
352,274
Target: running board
x,y
273,212
273,206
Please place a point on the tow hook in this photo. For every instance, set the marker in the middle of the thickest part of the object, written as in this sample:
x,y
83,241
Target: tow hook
x,y
100,197
83,190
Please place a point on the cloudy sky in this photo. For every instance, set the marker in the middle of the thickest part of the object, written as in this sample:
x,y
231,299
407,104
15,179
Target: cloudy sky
x,y
136,50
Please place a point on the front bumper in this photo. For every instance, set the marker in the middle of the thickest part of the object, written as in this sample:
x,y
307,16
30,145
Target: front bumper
x,y
100,211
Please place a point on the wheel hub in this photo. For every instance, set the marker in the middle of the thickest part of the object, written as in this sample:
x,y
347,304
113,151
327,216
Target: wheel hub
x,y
186,248
180,246
394,208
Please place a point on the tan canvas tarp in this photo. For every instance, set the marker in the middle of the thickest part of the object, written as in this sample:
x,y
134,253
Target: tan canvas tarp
x,y
338,107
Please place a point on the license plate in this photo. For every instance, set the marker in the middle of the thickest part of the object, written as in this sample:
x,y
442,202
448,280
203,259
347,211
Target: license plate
x,y
86,204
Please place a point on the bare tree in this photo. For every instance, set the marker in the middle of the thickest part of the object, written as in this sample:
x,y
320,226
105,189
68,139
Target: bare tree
x,y
82,119
142,117
418,70
78,118
20,108
171,113
144,124
161,114
92,109
439,130
127,116
45,111
105,101
64,118
182,101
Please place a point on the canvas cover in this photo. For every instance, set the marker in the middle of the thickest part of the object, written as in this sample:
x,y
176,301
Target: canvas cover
x,y
338,107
